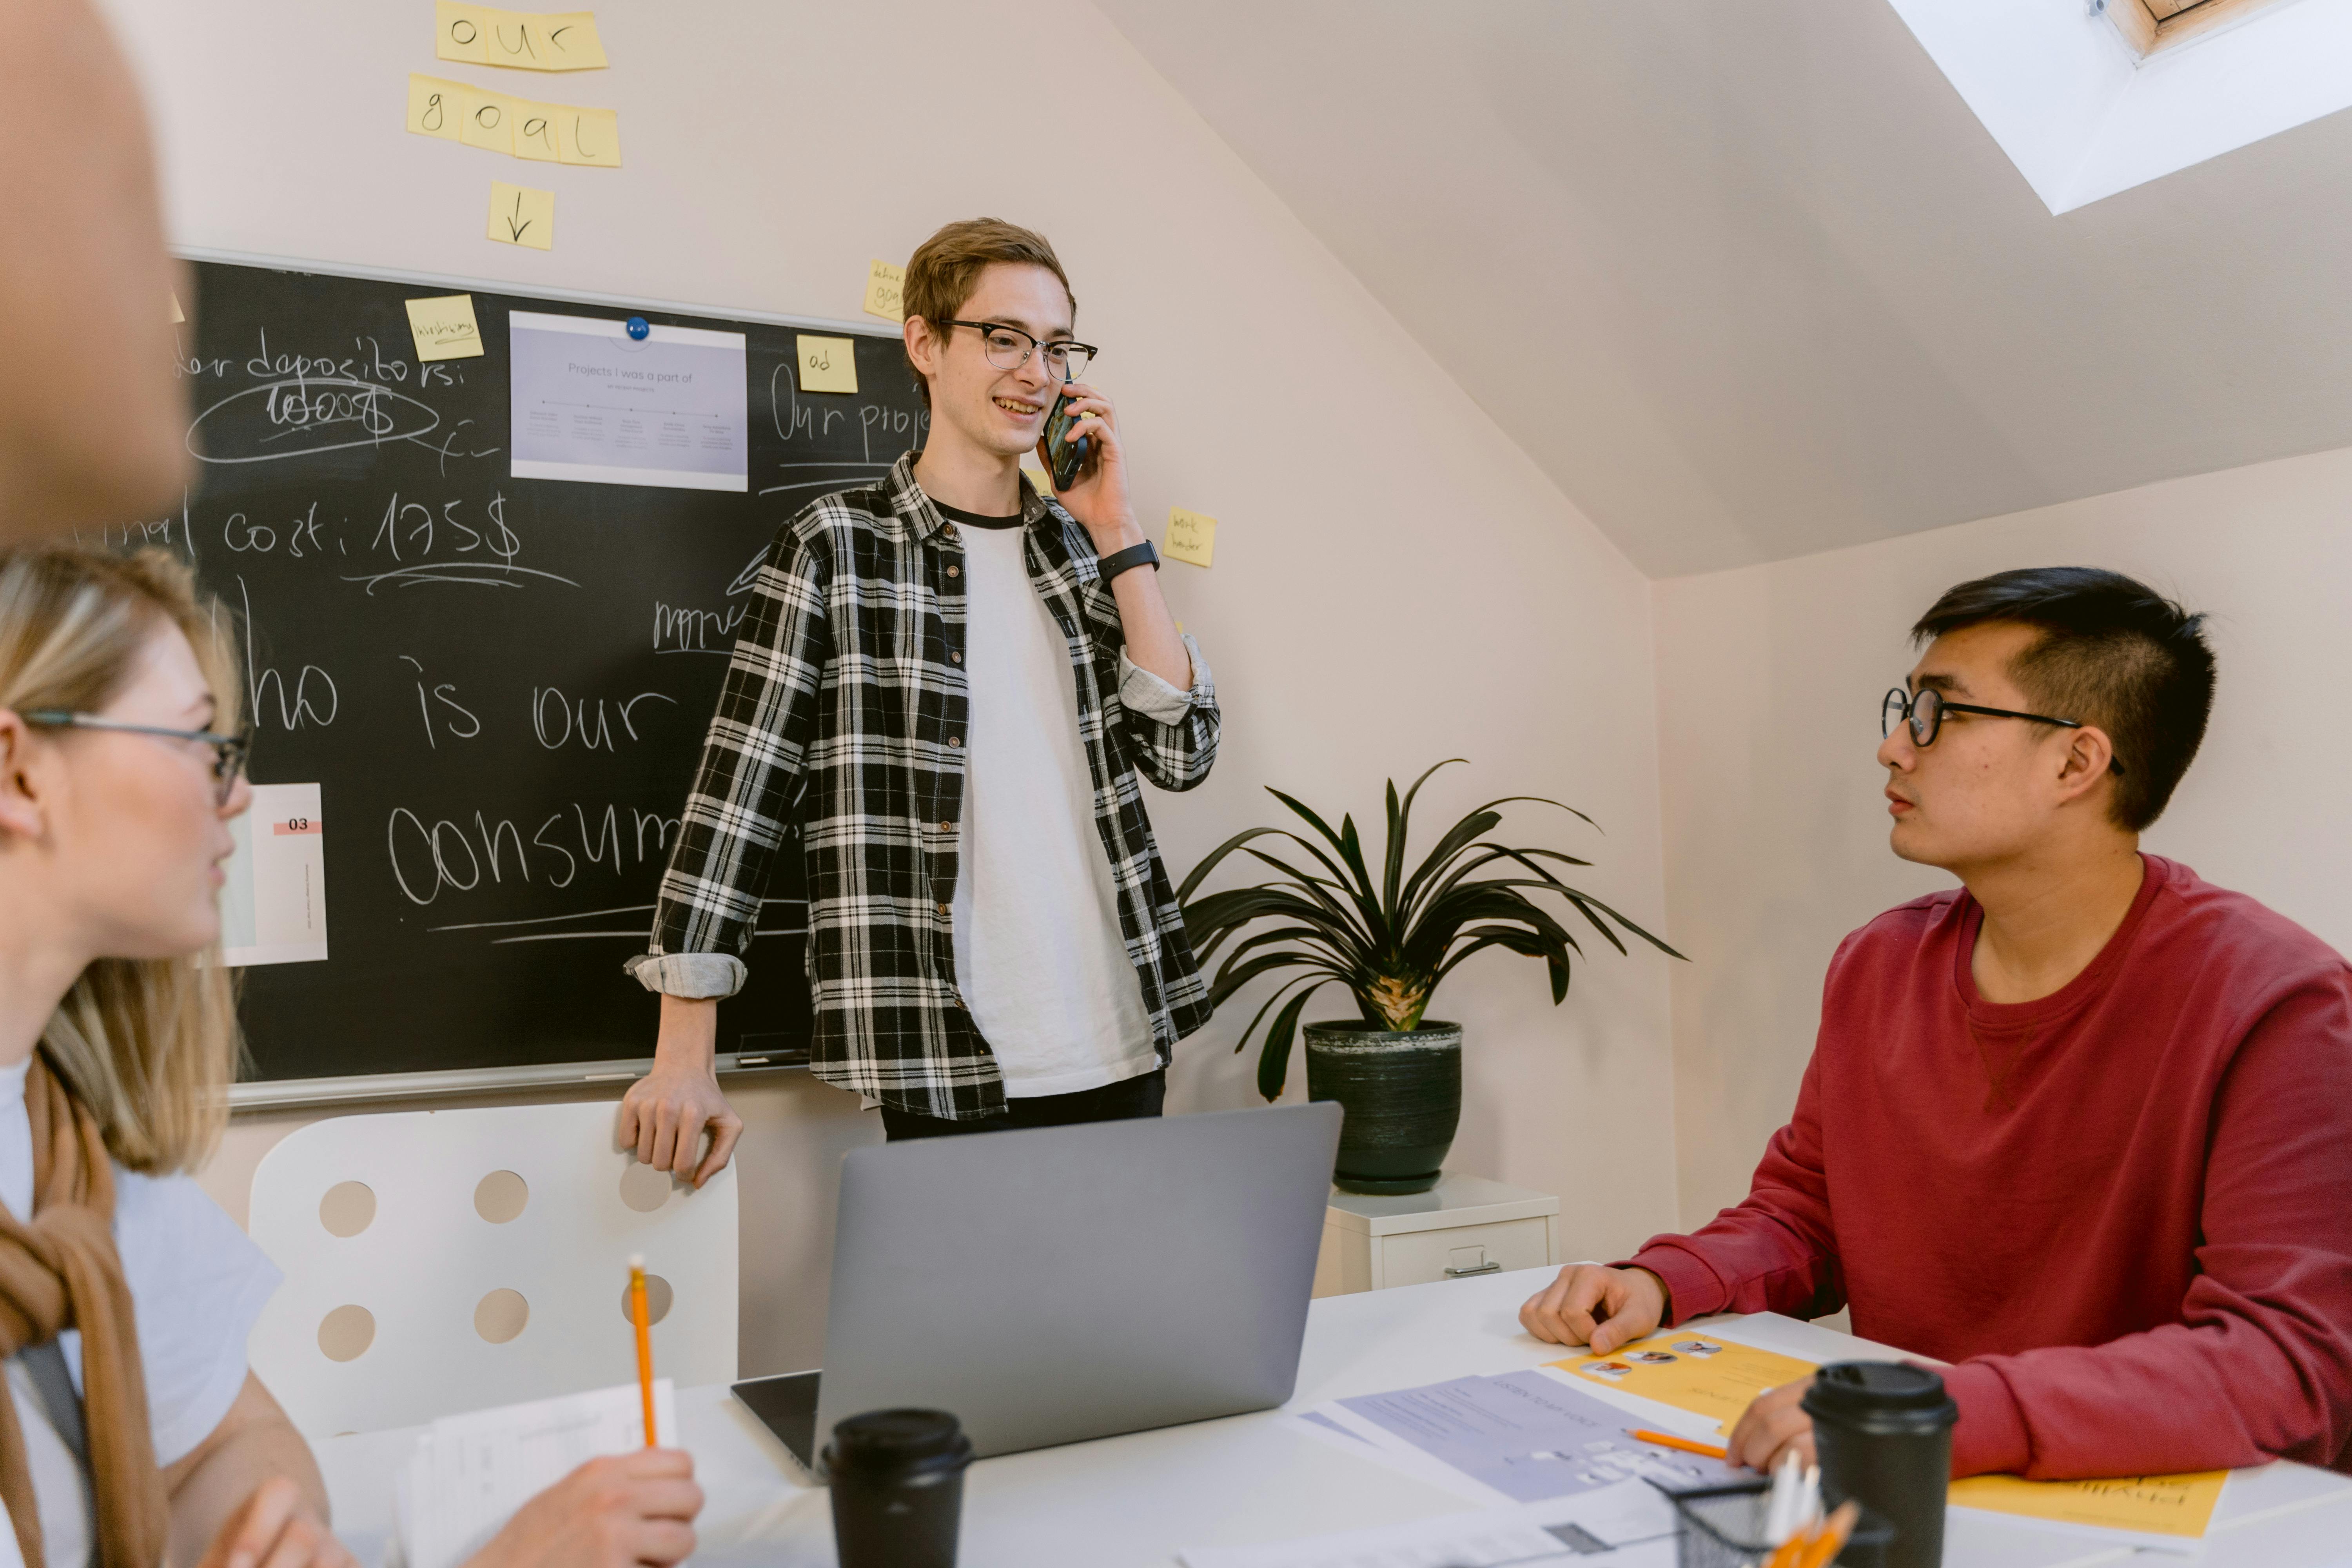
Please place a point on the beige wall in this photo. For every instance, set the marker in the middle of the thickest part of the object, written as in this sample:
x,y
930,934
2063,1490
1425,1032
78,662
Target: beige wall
x,y
1768,683
1395,582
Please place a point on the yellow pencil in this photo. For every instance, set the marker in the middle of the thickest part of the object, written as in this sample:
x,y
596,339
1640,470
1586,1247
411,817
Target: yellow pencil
x,y
1832,1537
644,1343
1668,1440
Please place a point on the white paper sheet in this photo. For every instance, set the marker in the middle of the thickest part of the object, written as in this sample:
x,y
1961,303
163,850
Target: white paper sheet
x,y
593,404
470,1473
274,892
1628,1525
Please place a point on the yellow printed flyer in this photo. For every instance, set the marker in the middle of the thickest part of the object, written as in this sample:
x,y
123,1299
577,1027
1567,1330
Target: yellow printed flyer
x,y
1691,1371
2153,1505
1718,1377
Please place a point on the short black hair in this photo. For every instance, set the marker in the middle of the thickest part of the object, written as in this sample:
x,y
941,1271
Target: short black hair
x,y
2114,653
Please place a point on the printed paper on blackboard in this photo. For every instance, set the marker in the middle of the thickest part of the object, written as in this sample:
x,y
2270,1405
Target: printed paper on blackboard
x,y
273,898
593,404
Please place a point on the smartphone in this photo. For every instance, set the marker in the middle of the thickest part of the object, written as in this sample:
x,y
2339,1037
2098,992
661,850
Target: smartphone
x,y
1064,456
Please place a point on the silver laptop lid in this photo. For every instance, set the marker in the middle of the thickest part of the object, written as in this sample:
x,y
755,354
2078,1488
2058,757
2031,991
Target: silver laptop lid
x,y
1072,1282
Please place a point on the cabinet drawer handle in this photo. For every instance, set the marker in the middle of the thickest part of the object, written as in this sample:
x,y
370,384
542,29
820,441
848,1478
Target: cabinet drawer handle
x,y
1492,1266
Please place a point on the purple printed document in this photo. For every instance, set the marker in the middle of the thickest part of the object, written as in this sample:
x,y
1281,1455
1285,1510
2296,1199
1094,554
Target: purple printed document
x,y
1528,1436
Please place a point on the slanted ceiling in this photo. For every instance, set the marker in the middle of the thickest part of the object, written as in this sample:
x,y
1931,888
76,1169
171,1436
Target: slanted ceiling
x,y
1751,281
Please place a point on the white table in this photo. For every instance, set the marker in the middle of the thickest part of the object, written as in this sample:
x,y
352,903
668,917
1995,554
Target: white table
x,y
1140,1498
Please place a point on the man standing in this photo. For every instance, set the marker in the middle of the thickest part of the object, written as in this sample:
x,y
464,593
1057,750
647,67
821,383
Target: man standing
x,y
2081,1128
958,679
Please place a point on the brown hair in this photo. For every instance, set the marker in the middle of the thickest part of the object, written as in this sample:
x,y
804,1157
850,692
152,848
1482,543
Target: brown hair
x,y
148,1045
947,267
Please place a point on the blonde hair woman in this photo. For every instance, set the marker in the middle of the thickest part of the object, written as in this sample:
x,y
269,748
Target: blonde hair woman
x,y
132,1426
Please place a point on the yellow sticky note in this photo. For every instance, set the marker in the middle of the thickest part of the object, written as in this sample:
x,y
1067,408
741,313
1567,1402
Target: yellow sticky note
x,y
177,314
590,136
461,32
884,284
435,107
827,364
534,131
488,121
569,41
1191,536
2161,1505
444,327
519,215
1690,1372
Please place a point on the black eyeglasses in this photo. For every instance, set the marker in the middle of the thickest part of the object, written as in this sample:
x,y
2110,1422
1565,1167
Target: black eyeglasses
x,y
1009,348
1924,715
229,752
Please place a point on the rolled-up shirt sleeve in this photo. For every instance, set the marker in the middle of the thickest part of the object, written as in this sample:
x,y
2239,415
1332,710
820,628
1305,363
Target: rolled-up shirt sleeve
x,y
1173,731
738,813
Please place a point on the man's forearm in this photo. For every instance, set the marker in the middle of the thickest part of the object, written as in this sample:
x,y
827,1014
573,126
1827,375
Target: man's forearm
x,y
690,1031
1149,627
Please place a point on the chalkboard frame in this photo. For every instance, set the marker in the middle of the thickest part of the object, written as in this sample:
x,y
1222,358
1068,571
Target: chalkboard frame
x,y
274,1094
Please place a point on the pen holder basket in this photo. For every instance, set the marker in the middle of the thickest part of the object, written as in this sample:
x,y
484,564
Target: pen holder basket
x,y
1723,1527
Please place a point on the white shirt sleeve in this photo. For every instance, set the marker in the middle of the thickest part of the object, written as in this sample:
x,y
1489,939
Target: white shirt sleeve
x,y
197,1284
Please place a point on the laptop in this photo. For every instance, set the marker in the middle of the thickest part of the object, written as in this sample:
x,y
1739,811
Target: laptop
x,y
1065,1283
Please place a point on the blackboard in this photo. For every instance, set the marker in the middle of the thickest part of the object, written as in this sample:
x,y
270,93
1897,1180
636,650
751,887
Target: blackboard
x,y
501,685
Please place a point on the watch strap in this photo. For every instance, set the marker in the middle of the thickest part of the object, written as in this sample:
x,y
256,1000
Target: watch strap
x,y
1134,555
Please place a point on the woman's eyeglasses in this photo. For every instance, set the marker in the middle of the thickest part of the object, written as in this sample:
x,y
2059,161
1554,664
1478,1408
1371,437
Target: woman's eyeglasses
x,y
229,752
1923,713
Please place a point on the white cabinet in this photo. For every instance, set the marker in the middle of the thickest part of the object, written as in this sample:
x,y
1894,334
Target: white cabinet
x,y
1462,1227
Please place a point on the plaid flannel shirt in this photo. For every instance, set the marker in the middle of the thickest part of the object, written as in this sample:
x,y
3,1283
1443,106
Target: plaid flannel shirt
x,y
847,696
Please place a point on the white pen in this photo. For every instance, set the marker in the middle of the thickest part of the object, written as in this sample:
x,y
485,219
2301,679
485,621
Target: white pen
x,y
1779,1514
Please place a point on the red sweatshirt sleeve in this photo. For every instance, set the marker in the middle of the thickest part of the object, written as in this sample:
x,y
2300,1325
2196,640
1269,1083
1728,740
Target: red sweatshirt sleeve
x,y
2260,1366
1773,1252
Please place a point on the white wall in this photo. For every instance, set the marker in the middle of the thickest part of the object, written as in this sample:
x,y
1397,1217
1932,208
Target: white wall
x,y
1395,582
1769,679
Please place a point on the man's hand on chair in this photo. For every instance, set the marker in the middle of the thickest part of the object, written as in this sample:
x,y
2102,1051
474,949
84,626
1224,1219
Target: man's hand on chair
x,y
665,1112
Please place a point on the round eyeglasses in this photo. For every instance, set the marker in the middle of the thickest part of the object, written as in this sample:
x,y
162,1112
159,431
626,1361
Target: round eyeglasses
x,y
229,752
1923,714
1009,348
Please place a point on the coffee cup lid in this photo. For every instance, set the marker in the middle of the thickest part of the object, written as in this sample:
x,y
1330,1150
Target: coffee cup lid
x,y
1858,1388
896,1440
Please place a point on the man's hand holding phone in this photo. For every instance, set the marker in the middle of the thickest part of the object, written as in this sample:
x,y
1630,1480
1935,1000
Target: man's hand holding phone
x,y
1097,497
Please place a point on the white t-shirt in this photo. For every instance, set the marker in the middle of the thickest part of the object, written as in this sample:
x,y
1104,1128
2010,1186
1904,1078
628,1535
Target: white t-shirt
x,y
1038,953
197,1283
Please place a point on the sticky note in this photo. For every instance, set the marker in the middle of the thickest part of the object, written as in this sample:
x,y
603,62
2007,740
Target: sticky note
x,y
1191,536
488,122
177,314
435,107
571,41
461,32
444,327
883,285
827,364
590,136
519,215
534,131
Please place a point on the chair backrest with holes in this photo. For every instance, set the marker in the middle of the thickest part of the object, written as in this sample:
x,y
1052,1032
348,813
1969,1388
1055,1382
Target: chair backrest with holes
x,y
438,1261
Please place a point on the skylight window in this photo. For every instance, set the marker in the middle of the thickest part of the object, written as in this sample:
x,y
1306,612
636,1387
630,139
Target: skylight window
x,y
2147,25
2089,97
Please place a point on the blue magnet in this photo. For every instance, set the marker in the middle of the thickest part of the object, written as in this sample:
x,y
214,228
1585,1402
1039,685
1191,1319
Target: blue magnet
x,y
639,329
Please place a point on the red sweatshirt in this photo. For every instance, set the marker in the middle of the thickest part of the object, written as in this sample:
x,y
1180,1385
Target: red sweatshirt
x,y
2125,1211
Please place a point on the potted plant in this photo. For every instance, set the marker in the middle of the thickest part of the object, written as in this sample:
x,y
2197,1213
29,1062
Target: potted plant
x,y
1389,939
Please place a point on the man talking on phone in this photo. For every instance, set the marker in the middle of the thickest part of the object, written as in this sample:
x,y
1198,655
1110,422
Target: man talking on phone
x,y
958,679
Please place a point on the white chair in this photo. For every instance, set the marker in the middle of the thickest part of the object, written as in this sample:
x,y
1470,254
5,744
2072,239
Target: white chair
x,y
438,1261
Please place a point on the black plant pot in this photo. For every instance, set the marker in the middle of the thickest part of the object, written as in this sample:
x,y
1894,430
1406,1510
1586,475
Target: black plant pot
x,y
1401,1093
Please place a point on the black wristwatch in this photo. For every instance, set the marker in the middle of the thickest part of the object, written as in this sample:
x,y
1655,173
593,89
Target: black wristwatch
x,y
1133,555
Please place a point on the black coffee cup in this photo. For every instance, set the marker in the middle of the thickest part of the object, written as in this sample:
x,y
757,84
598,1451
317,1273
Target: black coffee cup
x,y
897,1489
1883,1431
